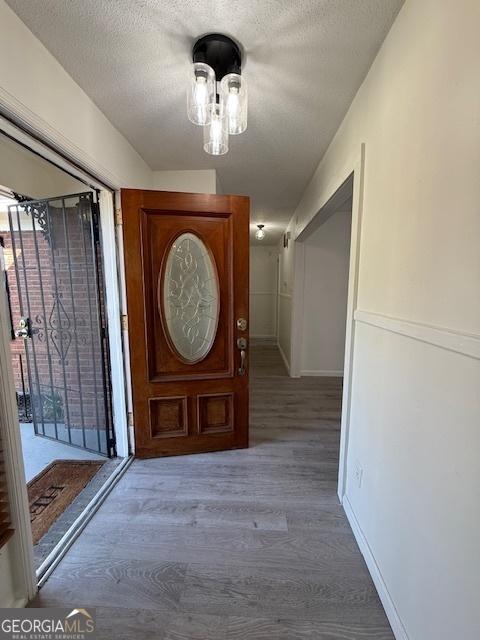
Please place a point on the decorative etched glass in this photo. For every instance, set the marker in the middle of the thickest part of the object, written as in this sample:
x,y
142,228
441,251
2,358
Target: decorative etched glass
x,y
191,301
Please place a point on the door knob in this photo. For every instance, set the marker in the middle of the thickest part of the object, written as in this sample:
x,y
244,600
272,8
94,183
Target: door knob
x,y
242,346
241,368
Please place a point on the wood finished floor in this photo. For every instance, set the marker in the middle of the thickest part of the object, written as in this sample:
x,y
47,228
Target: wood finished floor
x,y
238,545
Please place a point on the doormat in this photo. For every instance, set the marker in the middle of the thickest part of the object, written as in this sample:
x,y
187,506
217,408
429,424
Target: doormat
x,y
54,489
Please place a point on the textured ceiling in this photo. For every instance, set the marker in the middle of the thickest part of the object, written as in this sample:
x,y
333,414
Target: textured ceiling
x,y
305,60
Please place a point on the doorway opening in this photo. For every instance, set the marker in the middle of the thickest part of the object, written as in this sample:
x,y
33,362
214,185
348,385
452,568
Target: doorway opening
x,y
52,271
326,245
317,298
340,216
326,273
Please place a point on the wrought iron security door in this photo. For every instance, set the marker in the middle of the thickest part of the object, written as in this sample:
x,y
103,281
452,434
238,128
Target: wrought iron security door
x,y
58,309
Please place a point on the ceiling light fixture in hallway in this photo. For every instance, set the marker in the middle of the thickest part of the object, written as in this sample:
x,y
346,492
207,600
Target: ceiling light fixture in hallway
x,y
217,92
260,233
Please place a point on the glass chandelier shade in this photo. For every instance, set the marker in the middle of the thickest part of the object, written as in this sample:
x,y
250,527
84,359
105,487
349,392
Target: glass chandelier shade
x,y
215,133
233,94
201,93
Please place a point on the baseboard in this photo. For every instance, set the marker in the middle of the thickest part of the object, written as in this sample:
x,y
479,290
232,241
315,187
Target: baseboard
x,y
320,373
390,610
284,357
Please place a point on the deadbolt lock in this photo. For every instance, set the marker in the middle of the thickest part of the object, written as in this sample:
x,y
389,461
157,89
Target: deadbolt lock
x,y
242,324
241,343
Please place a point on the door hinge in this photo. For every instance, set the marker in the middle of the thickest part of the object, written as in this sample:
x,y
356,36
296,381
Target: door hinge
x,y
124,322
118,217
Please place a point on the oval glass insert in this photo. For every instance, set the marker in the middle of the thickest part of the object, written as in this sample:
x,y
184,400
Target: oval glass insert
x,y
191,300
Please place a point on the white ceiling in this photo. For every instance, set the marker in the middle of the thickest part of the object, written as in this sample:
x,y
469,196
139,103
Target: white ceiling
x,y
305,60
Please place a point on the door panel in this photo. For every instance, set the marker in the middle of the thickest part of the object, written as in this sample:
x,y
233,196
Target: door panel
x,y
159,233
186,265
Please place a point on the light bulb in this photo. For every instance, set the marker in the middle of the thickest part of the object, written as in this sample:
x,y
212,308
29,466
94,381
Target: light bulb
x,y
201,100
215,134
233,104
234,97
201,93
260,233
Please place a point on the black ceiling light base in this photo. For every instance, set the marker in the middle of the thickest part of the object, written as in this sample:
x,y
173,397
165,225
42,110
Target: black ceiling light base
x,y
219,52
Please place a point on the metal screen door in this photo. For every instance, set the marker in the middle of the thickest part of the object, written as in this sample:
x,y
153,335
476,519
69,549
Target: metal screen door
x,y
57,302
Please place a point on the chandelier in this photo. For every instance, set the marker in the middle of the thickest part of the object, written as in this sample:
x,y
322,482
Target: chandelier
x,y
217,92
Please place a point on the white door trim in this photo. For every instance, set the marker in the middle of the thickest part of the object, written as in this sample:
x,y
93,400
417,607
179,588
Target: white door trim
x,y
110,260
20,545
117,373
297,309
352,302
62,151
354,166
42,140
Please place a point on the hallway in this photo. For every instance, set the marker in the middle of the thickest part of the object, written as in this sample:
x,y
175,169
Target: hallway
x,y
247,544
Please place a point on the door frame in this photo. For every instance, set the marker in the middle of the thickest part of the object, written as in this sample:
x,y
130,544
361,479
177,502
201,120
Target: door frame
x,y
354,168
22,552
277,299
35,135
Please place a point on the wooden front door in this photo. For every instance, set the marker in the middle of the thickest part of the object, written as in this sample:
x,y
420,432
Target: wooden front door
x,y
186,267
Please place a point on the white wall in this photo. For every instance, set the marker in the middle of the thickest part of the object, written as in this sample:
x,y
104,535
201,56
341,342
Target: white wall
x,y
415,412
327,253
263,291
218,185
201,181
